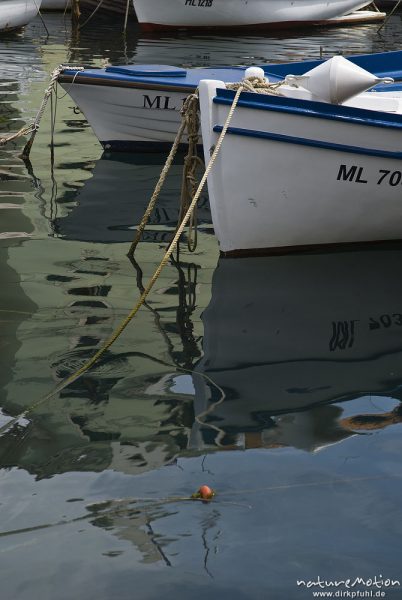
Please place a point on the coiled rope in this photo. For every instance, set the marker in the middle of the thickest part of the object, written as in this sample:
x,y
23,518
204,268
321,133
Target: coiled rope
x,y
258,85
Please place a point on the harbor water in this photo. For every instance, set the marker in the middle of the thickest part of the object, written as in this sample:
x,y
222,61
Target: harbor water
x,y
276,381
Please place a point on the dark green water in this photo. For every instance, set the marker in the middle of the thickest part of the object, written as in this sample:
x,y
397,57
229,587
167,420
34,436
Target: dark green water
x,y
276,381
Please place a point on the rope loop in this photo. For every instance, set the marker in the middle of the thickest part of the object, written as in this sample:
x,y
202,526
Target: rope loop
x,y
258,85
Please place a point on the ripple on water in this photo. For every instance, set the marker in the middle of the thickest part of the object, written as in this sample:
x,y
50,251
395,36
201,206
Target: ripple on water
x,y
276,381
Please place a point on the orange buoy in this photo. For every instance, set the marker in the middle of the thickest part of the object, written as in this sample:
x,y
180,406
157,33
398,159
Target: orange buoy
x,y
206,493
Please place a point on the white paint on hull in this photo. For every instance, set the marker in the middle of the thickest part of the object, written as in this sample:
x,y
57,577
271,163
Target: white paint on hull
x,y
129,114
17,13
132,114
273,194
239,13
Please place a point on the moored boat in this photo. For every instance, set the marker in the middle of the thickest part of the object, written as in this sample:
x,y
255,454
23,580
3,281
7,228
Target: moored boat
x,y
319,163
255,14
15,14
138,106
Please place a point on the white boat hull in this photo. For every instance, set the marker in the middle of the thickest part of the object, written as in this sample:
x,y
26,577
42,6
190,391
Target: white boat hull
x,y
158,14
285,178
136,116
123,118
17,13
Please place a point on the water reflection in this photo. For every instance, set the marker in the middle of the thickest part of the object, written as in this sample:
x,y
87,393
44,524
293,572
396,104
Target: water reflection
x,y
302,354
294,350
321,329
110,205
101,41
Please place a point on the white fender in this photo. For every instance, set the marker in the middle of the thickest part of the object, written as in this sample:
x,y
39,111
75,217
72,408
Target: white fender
x,y
336,80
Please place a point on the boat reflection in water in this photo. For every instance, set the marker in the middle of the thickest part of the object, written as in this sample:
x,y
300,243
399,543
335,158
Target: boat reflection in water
x,y
294,346
286,337
113,417
109,207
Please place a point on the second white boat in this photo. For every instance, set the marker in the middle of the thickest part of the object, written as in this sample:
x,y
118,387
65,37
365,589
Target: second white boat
x,y
307,167
199,14
17,13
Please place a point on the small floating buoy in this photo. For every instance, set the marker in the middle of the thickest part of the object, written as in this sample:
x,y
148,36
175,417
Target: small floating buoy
x,y
204,493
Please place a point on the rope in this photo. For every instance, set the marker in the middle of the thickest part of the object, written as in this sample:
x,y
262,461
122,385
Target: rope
x,y
258,85
190,121
34,126
126,16
122,326
389,16
189,181
67,6
93,13
41,17
13,136
75,12
185,123
72,82
48,92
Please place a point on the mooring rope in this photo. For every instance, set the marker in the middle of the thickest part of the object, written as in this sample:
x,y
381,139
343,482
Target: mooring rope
x,y
190,103
192,162
190,121
26,130
122,326
258,85
49,91
34,126
93,13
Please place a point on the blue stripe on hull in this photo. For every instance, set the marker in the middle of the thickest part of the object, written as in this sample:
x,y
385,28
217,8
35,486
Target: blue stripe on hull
x,y
385,64
309,108
382,64
288,139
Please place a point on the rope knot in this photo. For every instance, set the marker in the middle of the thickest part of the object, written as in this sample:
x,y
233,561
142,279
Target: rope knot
x,y
190,104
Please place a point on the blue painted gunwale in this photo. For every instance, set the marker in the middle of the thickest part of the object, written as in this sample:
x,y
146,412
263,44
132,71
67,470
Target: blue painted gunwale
x,y
191,79
309,108
384,64
277,137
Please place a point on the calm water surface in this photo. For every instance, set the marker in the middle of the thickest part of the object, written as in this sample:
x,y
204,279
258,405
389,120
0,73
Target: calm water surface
x,y
277,381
